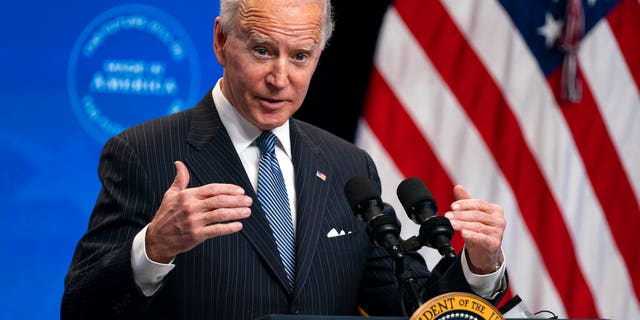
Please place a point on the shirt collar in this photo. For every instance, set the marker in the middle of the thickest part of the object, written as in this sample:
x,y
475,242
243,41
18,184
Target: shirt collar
x,y
242,132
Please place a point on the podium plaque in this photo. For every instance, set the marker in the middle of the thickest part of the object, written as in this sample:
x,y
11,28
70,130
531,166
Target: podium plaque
x,y
457,306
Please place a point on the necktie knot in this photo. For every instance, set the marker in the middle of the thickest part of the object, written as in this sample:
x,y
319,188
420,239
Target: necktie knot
x,y
266,142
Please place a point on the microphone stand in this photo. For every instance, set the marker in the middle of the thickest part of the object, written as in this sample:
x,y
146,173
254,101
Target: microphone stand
x,y
385,229
405,277
436,233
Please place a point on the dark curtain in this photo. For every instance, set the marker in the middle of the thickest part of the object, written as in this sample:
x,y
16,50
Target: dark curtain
x,y
338,87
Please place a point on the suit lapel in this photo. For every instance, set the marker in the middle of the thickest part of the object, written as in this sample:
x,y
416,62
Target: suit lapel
x,y
214,159
311,194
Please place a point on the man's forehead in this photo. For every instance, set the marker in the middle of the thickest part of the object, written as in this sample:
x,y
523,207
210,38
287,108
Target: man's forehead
x,y
261,23
284,11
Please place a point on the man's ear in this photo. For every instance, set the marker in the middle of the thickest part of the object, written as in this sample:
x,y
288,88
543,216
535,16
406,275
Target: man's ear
x,y
219,41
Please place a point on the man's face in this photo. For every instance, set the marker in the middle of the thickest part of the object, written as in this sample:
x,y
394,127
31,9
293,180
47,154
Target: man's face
x,y
270,57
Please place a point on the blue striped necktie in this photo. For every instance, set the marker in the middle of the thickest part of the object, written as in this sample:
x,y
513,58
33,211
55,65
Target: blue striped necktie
x,y
273,198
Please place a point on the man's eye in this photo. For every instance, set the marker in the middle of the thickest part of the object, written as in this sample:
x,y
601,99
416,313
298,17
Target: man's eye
x,y
261,51
300,56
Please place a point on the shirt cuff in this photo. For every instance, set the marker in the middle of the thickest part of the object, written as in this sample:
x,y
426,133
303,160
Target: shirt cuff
x,y
147,274
485,285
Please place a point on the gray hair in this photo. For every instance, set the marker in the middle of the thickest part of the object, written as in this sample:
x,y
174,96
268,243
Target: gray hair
x,y
229,13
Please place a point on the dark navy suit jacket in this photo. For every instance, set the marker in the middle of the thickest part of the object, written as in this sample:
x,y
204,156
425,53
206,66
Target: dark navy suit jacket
x,y
238,276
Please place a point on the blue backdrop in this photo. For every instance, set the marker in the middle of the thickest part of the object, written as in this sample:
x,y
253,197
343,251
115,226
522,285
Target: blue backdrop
x,y
72,74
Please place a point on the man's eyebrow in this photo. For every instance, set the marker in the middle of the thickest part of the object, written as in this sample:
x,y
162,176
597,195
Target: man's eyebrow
x,y
257,38
310,47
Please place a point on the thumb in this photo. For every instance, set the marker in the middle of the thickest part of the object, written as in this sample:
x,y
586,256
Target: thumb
x,y
460,193
182,177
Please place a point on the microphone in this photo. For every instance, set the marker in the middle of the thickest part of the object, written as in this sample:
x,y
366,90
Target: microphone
x,y
383,227
435,231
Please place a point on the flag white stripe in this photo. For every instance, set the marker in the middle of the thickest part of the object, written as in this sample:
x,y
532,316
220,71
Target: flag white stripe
x,y
504,53
461,150
616,94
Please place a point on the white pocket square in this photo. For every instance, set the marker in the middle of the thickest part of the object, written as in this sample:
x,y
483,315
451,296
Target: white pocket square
x,y
334,233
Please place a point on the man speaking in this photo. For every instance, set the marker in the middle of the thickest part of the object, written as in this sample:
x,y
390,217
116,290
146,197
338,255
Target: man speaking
x,y
225,210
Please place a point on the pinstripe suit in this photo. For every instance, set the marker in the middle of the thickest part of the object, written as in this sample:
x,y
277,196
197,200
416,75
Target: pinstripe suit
x,y
238,276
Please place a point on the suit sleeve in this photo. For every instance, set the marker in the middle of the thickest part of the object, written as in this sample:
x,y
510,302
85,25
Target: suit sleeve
x,y
99,283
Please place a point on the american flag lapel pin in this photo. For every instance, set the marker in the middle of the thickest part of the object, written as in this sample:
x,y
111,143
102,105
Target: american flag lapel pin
x,y
321,175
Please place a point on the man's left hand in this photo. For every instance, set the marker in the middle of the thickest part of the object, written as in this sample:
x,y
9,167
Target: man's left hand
x,y
481,225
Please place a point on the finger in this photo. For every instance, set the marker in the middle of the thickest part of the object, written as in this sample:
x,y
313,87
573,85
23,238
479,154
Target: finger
x,y
475,204
491,228
459,193
225,215
472,214
462,196
226,201
181,180
221,229
214,189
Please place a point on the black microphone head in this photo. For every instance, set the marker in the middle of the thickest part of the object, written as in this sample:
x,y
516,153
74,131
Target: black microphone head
x,y
416,199
361,193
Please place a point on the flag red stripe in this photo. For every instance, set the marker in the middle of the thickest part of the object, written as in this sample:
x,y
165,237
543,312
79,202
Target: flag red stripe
x,y
399,135
608,178
625,24
487,108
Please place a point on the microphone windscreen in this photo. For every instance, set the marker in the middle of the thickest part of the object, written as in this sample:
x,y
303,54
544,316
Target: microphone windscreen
x,y
359,189
413,191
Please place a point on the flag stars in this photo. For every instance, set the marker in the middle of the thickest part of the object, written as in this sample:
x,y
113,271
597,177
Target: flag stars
x,y
550,30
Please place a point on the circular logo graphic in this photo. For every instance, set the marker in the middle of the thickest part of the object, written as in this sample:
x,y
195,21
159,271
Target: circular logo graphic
x,y
132,63
457,306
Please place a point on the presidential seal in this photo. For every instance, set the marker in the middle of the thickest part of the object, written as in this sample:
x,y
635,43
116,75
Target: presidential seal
x,y
130,64
457,306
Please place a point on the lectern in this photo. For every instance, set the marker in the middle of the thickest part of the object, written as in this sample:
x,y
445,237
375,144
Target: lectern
x,y
302,317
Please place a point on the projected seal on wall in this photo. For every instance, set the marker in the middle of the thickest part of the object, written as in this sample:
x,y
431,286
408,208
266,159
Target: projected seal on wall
x,y
130,64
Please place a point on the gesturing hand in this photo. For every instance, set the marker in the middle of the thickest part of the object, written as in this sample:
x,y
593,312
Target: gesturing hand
x,y
189,216
481,225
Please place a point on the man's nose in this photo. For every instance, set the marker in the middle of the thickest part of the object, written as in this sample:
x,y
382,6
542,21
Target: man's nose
x,y
278,77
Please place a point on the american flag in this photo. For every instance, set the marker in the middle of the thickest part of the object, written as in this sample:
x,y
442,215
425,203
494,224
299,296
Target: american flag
x,y
534,105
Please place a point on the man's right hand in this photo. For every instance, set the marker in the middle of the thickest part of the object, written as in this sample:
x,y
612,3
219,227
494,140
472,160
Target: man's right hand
x,y
189,216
